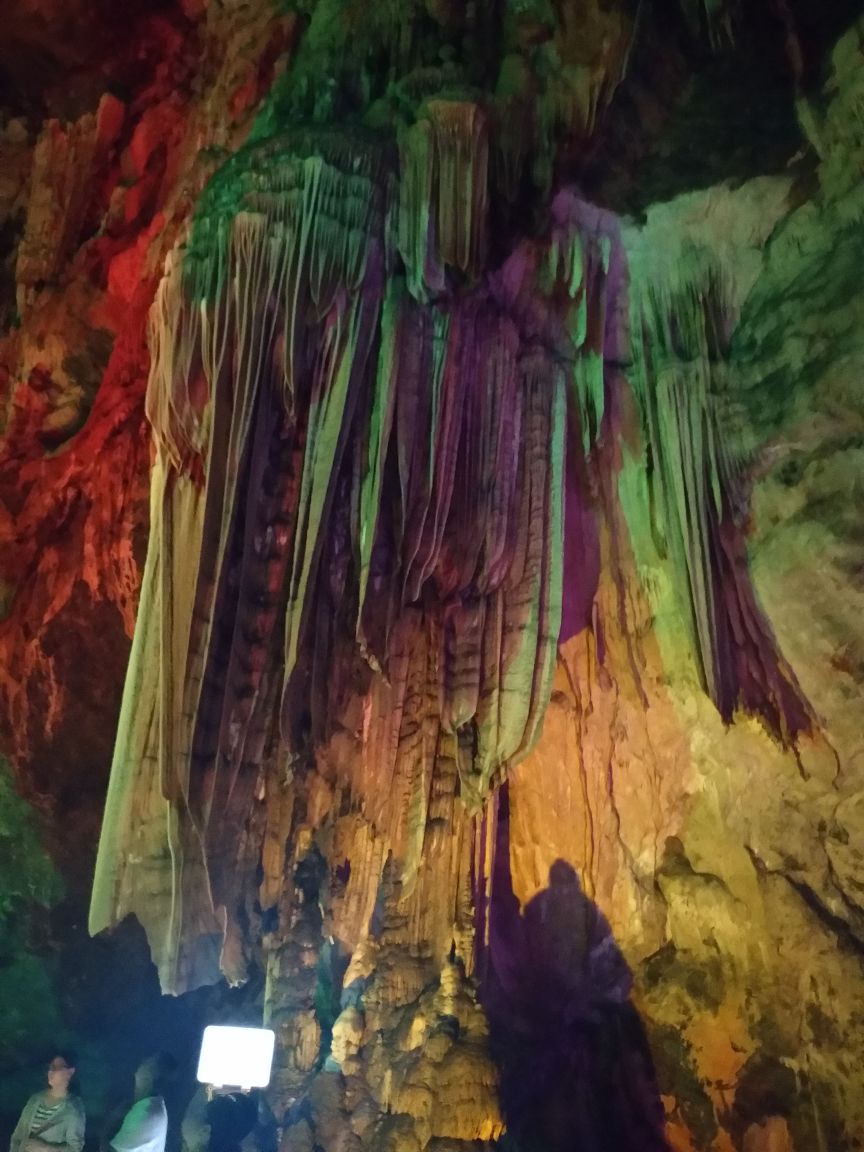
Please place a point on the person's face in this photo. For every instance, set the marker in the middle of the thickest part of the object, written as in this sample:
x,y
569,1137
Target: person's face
x,y
59,1074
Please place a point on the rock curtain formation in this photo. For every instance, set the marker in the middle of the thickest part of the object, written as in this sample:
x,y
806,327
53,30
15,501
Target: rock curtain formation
x,y
359,488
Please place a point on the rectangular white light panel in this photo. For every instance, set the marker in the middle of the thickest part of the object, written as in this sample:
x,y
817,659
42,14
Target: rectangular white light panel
x,y
236,1057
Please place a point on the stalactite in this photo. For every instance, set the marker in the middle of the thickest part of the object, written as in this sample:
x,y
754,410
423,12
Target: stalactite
x,y
463,159
680,324
380,426
515,130
592,46
424,427
276,342
443,194
417,229
362,434
278,294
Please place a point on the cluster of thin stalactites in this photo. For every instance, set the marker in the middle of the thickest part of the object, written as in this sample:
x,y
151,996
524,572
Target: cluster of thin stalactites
x,y
362,430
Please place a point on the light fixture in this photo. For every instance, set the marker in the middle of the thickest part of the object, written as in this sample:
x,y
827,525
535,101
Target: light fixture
x,y
236,1057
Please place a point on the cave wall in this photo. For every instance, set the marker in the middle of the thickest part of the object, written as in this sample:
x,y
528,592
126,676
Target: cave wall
x,y
702,783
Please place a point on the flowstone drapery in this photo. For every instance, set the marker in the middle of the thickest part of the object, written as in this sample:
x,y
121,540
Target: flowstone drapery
x,y
682,319
359,493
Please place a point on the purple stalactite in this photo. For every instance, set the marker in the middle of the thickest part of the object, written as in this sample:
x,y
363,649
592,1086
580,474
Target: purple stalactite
x,y
581,569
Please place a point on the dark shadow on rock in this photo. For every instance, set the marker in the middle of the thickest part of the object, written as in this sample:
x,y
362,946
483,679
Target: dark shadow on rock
x,y
575,1065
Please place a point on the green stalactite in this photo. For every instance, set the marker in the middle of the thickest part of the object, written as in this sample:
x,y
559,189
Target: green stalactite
x,y
380,425
577,262
671,377
417,211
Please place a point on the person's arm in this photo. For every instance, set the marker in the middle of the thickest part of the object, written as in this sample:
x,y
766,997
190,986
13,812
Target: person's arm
x,y
22,1128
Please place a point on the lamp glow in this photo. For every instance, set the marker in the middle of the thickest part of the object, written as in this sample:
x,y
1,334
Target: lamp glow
x,y
232,1056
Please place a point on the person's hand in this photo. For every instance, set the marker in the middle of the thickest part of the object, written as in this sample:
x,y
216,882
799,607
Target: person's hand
x,y
33,1145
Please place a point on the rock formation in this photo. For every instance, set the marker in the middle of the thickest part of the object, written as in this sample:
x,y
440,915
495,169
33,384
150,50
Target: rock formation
x,y
495,674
